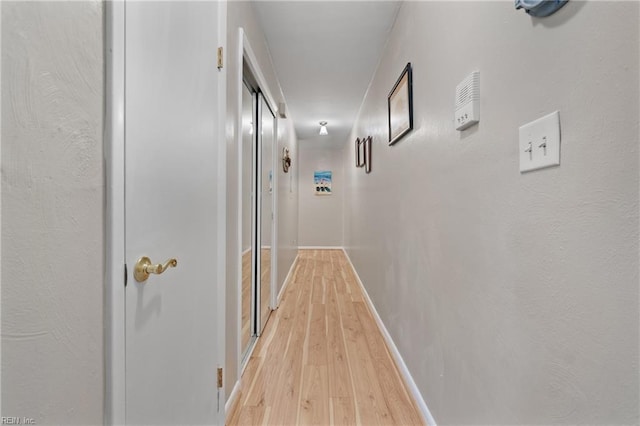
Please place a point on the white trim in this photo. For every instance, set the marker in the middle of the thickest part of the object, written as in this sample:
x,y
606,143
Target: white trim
x,y
395,353
273,302
222,206
256,306
235,393
238,83
115,355
287,279
245,251
320,248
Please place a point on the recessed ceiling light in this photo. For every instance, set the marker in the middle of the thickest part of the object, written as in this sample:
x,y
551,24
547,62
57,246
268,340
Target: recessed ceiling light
x,y
323,128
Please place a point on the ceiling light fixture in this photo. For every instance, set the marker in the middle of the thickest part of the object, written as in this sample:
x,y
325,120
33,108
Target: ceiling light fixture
x,y
323,128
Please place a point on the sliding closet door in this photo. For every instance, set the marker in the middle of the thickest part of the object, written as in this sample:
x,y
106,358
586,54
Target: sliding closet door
x,y
258,139
266,143
249,104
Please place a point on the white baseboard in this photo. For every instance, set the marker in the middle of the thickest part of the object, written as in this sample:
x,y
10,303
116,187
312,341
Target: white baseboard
x,y
286,280
320,248
404,371
232,398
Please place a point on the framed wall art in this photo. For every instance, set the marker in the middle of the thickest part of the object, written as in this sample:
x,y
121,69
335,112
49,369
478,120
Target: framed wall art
x,y
322,182
400,106
360,159
367,154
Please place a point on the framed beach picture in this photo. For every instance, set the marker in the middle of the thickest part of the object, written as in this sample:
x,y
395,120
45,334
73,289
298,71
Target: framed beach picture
x,y
400,106
322,182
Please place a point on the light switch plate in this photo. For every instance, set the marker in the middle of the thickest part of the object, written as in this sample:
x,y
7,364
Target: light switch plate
x,y
539,143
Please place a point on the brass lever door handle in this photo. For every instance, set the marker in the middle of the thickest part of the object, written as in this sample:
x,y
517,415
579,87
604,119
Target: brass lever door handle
x,y
144,268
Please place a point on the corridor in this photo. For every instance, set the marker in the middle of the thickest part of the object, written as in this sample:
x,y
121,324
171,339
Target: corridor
x,y
320,212
322,359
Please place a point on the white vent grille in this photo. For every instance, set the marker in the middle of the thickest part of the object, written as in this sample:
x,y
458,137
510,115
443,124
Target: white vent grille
x,y
468,90
467,111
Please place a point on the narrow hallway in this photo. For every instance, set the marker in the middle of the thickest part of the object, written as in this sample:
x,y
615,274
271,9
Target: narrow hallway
x,y
322,359
439,199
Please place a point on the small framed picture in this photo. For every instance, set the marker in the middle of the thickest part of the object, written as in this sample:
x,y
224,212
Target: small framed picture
x,y
367,154
360,159
322,182
400,106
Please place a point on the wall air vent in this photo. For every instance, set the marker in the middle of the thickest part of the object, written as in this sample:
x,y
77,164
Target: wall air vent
x,y
468,101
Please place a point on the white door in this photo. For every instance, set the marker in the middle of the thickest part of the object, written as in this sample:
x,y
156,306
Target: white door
x,y
171,173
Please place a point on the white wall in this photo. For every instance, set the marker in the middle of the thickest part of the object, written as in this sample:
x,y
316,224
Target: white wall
x,y
241,14
52,217
321,219
287,201
513,298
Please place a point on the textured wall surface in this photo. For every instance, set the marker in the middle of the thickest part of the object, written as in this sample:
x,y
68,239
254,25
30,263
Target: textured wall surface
x,y
513,298
241,14
320,215
52,211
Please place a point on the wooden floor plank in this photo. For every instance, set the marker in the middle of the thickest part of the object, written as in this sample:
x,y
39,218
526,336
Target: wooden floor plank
x,y
367,405
375,341
339,375
255,395
317,289
397,399
287,388
322,359
314,404
317,346
343,413
251,416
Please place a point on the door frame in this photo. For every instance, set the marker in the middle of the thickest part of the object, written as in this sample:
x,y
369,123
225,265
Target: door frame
x,y
115,355
114,157
245,53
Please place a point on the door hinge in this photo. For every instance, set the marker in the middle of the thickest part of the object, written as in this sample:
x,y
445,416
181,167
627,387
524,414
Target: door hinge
x,y
220,62
125,274
219,377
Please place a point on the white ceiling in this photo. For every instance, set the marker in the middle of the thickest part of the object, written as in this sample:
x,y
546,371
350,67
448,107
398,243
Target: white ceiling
x,y
325,54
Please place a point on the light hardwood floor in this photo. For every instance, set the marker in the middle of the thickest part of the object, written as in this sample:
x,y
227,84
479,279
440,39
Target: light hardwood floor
x,y
322,359
246,299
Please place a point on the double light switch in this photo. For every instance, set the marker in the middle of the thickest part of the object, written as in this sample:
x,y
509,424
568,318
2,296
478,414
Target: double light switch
x,y
540,143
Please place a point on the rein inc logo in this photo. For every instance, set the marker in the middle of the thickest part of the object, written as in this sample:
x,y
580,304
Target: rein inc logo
x,y
17,420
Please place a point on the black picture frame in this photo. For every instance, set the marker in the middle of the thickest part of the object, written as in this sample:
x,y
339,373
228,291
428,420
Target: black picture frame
x,y
367,154
360,158
400,106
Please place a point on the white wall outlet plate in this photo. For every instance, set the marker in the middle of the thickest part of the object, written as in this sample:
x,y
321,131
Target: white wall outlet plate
x,y
539,143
